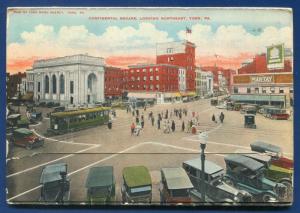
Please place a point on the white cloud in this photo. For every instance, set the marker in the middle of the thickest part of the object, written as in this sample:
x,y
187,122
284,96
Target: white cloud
x,y
231,40
45,42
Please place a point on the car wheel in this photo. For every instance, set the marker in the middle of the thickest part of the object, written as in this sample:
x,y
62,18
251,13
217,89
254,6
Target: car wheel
x,y
267,197
29,146
289,186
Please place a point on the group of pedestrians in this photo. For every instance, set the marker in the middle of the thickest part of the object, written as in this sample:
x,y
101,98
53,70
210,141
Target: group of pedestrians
x,y
221,118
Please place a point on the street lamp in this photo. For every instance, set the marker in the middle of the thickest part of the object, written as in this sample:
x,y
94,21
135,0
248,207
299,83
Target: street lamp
x,y
203,140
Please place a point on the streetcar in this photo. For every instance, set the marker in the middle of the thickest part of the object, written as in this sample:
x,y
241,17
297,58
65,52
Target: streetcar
x,y
68,121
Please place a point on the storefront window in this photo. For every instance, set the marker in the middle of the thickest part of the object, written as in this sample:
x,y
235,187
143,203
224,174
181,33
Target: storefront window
x,y
248,90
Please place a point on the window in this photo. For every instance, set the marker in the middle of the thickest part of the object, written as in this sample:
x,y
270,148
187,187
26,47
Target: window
x,y
156,69
138,78
157,86
54,84
256,90
272,89
291,91
151,78
151,86
172,59
47,84
248,90
62,84
71,87
151,69
281,90
39,86
131,71
157,77
169,50
137,70
145,78
235,90
144,70
264,90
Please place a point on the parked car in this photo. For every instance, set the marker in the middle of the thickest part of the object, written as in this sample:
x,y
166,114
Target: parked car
x,y
275,152
26,138
35,116
100,185
248,109
249,121
137,185
247,174
175,186
216,189
50,104
272,172
274,113
55,184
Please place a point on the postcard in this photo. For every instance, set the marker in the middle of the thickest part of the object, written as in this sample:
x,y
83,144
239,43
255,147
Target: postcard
x,y
149,106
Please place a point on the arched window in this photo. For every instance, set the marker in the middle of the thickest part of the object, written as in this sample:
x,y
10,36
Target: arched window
x,y
53,84
62,84
46,84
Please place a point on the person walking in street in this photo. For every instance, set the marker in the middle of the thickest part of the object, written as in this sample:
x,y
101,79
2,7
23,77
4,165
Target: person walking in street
x,y
214,118
183,126
152,120
173,126
142,122
132,127
158,123
137,120
222,116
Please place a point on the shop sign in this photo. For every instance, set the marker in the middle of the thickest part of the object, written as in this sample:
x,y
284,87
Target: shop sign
x,y
275,56
262,79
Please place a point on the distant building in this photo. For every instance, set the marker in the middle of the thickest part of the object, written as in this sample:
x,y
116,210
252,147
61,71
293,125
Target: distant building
x,y
204,82
69,80
14,84
113,82
180,54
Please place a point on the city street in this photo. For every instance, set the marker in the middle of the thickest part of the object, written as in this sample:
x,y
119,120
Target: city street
x,y
154,149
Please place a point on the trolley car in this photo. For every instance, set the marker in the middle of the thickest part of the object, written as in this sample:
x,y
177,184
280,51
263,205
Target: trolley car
x,y
64,122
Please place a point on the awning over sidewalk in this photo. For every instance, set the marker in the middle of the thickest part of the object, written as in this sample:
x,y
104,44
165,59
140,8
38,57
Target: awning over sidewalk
x,y
141,95
257,97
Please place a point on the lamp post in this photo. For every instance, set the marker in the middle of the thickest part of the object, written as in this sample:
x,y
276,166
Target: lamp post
x,y
203,139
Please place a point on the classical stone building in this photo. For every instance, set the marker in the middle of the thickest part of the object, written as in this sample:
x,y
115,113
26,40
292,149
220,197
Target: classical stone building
x,y
69,80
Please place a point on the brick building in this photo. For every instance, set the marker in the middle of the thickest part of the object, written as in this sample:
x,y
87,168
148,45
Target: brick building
x,y
179,54
13,84
259,65
113,82
152,78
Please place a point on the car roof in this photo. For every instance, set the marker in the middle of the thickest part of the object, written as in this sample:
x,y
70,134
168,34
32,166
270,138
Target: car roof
x,y
260,146
23,131
100,176
244,161
136,176
52,172
255,155
210,167
249,115
13,116
176,178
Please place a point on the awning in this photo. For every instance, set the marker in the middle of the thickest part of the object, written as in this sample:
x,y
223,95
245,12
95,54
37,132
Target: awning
x,y
143,95
257,97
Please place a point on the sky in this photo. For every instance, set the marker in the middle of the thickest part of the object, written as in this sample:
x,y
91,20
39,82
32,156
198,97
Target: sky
x,y
129,36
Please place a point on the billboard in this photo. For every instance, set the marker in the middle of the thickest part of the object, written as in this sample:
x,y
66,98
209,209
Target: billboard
x,y
275,56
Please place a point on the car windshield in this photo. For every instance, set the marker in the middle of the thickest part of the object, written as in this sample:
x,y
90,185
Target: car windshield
x,y
100,191
180,193
136,191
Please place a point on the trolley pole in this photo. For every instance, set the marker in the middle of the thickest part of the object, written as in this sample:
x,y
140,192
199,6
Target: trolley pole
x,y
203,140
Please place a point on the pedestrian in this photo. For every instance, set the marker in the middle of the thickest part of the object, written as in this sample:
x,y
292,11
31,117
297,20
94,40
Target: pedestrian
x,y
214,118
183,126
222,117
127,109
133,114
158,123
145,108
109,124
152,121
137,120
142,122
137,112
132,127
173,126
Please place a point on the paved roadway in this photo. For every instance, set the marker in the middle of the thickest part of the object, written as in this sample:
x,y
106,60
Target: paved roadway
x,y
100,146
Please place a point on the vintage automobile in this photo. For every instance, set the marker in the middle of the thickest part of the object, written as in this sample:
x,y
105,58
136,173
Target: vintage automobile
x,y
35,116
247,174
137,185
26,138
272,172
249,121
55,184
12,120
248,109
175,186
216,189
100,184
275,152
214,102
274,113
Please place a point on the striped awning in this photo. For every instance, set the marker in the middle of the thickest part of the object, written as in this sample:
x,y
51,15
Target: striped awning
x,y
257,97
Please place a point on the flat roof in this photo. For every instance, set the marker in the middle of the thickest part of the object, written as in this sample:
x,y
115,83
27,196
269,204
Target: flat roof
x,y
244,161
177,178
210,167
153,65
261,146
100,176
78,112
52,172
135,176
